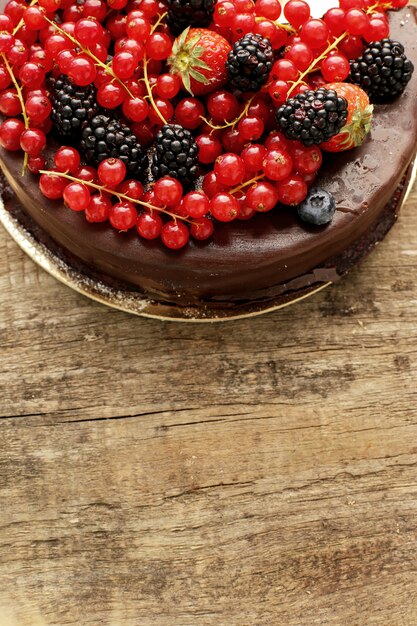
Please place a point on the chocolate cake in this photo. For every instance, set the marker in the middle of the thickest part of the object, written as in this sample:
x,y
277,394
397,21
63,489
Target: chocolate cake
x,y
271,256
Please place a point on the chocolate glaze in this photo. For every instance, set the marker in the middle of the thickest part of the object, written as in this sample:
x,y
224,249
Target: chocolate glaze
x,y
268,253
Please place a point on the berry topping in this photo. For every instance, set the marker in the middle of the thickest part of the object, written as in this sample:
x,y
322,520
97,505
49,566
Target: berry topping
x,y
313,117
71,105
382,70
359,120
183,13
199,57
231,101
250,62
318,208
176,155
104,137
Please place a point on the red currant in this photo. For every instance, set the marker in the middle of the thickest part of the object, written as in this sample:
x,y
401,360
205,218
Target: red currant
x,y
270,9
76,196
164,107
138,27
132,189
315,33
149,225
110,95
253,156
168,190
224,207
38,108
262,196
306,160
222,106
67,159
123,216
211,185
32,141
88,31
36,163
209,148
292,191
224,14
52,186
94,8
196,204
356,21
285,70
124,64
136,109
251,128
335,20
202,228
167,86
111,172
136,48
10,103
335,68
277,164
243,23
175,234
158,46
87,173
297,12
189,112
278,90
10,133
300,54
98,209
229,169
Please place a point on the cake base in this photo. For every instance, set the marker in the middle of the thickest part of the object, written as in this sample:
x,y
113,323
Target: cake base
x,y
70,271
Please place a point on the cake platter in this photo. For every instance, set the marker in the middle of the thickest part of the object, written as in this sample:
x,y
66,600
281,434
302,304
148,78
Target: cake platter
x,y
79,278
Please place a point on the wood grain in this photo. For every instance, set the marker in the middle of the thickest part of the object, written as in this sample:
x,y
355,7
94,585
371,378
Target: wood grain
x,y
255,473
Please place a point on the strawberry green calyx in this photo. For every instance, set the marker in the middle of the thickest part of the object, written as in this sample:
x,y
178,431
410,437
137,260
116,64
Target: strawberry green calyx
x,y
199,57
186,59
358,127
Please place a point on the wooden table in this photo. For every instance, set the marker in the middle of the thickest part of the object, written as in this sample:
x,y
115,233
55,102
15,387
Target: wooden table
x,y
254,473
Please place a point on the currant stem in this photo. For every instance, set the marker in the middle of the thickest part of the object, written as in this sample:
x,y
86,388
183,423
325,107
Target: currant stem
x,y
280,25
158,22
247,183
233,122
112,192
316,62
149,90
22,104
88,52
20,24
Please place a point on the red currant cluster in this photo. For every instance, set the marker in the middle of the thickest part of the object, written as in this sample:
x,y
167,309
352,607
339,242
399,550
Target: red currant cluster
x,y
318,51
250,173
237,188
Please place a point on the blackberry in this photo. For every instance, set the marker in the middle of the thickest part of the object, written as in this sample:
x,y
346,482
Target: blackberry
x,y
103,137
184,13
249,63
175,155
383,70
71,106
313,116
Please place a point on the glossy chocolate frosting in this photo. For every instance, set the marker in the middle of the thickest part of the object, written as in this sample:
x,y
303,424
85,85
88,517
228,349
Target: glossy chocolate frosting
x,y
245,260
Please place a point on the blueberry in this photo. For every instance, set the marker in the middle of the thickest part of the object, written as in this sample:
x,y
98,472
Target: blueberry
x,y
318,208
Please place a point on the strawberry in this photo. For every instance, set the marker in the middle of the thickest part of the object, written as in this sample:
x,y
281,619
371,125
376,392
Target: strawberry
x,y
199,56
359,119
